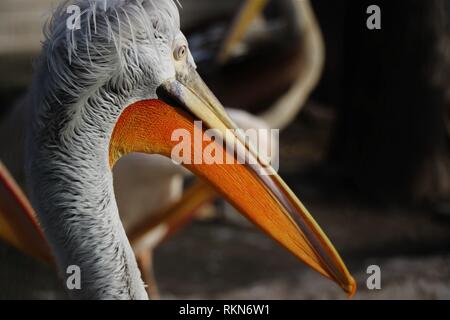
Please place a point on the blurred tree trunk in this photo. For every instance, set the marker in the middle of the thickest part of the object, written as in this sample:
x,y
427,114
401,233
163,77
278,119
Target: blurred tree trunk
x,y
391,136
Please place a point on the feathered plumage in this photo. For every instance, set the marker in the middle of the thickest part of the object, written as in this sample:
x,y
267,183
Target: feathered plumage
x,y
83,81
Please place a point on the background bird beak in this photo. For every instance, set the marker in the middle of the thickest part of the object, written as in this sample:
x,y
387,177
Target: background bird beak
x,y
147,126
18,223
247,14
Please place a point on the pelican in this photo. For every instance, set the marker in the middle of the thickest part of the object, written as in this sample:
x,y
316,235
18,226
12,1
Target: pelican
x,y
122,84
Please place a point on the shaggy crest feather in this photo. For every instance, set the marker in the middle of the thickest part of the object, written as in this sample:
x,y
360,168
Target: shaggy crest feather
x,y
114,49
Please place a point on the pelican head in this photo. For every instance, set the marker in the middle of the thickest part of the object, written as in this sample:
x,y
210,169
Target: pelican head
x,y
121,81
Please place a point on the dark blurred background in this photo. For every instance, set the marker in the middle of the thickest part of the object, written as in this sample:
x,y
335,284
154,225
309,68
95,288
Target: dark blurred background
x,y
369,155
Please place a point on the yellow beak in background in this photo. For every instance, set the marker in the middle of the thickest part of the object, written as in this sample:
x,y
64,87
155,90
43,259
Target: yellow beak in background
x,y
247,14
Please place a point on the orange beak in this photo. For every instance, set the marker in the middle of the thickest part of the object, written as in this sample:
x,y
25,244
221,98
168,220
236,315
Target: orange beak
x,y
18,223
147,126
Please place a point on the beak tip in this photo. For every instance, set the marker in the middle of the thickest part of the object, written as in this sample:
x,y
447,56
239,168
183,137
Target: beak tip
x,y
350,288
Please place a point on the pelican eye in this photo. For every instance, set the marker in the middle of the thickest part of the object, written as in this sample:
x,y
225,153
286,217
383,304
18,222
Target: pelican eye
x,y
180,52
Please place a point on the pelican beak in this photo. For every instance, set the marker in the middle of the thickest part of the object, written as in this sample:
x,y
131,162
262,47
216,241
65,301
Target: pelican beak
x,y
255,189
